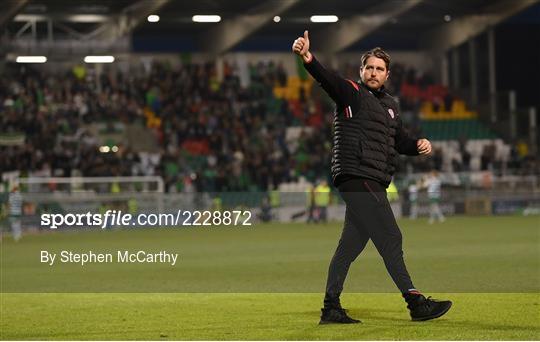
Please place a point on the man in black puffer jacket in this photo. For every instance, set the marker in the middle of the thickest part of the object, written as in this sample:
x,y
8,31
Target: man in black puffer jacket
x,y
368,136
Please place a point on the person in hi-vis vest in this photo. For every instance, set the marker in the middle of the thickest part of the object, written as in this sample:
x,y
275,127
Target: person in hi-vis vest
x,y
321,199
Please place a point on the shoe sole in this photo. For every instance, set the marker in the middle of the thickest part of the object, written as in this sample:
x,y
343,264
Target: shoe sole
x,y
427,318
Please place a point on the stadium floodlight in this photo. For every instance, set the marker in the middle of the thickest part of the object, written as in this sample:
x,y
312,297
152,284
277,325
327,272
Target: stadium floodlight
x,y
87,18
324,18
99,59
31,59
153,18
29,17
75,18
277,19
206,18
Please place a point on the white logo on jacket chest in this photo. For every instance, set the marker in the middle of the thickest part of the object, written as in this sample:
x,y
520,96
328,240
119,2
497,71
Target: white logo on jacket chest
x,y
391,112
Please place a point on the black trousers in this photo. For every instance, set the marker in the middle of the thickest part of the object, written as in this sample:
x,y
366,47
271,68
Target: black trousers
x,y
368,216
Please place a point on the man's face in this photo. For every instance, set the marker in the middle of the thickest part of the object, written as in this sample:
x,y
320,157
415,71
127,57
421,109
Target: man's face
x,y
374,73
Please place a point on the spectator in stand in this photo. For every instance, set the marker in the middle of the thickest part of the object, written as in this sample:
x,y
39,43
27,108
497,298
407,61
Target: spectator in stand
x,y
465,155
437,159
198,121
488,157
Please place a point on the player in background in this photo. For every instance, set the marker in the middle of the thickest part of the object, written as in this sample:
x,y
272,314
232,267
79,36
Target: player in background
x,y
433,185
15,213
413,200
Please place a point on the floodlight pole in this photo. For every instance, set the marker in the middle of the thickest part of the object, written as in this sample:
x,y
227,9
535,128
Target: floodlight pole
x,y
455,68
473,72
445,77
98,70
513,114
532,131
50,36
491,71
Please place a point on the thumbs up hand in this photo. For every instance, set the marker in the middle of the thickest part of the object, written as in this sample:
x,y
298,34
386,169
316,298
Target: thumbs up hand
x,y
301,47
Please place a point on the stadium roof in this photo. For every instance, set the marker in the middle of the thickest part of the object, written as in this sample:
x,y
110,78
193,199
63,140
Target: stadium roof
x,y
60,25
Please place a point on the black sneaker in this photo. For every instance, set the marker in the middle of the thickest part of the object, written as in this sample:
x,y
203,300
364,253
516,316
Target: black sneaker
x,y
423,309
336,316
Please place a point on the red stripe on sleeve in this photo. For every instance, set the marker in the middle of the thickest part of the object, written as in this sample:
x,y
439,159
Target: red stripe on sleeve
x,y
353,84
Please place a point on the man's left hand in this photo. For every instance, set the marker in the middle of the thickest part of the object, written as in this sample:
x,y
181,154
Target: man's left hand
x,y
423,146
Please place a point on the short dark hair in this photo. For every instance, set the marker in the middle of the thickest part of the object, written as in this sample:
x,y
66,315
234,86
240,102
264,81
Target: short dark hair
x,y
379,53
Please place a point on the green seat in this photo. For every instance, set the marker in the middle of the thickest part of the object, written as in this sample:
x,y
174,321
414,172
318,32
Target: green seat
x,y
455,129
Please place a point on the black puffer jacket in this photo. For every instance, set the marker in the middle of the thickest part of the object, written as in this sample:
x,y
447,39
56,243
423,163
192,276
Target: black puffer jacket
x,y
368,132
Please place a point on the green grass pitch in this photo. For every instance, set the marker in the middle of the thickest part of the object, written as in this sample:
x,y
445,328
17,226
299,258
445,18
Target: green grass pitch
x,y
266,283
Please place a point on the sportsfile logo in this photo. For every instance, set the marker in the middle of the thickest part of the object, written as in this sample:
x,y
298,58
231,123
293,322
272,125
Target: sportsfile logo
x,y
113,218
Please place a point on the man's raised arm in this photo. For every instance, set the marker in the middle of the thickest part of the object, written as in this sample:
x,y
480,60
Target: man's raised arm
x,y
337,87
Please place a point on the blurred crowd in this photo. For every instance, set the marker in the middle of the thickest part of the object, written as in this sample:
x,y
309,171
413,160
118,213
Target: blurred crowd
x,y
212,133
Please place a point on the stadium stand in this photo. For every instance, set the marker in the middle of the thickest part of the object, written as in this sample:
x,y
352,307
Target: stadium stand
x,y
149,125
